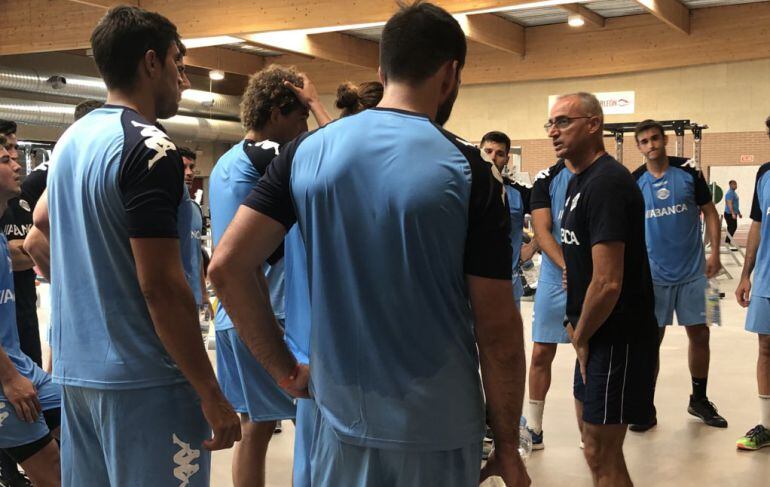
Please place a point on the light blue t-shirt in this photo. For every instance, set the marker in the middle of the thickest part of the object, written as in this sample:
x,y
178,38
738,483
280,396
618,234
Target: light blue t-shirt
x,y
234,176
550,191
760,209
191,245
672,221
9,332
125,182
731,195
391,228
518,205
297,331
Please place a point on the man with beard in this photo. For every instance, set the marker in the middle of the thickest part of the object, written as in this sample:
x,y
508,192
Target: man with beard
x,y
408,253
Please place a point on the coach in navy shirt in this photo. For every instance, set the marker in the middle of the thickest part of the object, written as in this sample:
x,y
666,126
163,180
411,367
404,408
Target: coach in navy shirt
x,y
409,266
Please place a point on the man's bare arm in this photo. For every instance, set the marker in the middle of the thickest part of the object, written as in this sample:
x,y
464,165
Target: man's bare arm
x,y
174,315
236,272
743,292
603,290
38,248
542,224
20,259
714,232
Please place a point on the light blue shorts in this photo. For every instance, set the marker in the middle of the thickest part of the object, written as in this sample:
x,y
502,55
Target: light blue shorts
x,y
548,317
758,317
137,437
246,384
336,463
303,441
688,299
14,431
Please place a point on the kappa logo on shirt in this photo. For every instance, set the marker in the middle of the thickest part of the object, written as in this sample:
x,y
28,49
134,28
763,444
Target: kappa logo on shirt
x,y
25,206
268,145
3,414
156,140
543,174
574,202
689,163
183,458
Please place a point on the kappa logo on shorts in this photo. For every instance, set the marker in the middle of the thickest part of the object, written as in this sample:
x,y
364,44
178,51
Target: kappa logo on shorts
x,y
3,414
183,458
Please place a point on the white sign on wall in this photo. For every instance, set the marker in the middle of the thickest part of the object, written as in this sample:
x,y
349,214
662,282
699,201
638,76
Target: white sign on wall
x,y
613,102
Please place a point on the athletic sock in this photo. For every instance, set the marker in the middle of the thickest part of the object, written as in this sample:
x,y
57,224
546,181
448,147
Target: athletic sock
x,y
535,419
699,387
764,408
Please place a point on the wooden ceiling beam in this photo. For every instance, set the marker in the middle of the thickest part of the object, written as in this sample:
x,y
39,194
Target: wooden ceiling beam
x,y
672,12
105,4
333,46
495,32
588,15
224,59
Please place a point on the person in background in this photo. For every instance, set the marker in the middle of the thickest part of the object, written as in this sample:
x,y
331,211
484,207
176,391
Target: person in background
x,y
732,213
352,99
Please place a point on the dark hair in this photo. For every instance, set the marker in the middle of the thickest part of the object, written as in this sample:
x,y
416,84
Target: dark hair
x,y
352,99
497,137
85,107
767,123
123,36
266,91
7,127
732,181
3,141
645,125
187,153
417,40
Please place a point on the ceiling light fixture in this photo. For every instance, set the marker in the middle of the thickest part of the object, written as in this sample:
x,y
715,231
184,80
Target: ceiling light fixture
x,y
576,20
216,75
196,42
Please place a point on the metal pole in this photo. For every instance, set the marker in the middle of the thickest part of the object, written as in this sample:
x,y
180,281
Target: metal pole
x,y
696,146
679,131
619,146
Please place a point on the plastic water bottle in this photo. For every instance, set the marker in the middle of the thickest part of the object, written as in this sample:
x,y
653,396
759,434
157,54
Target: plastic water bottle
x,y
530,272
525,439
713,314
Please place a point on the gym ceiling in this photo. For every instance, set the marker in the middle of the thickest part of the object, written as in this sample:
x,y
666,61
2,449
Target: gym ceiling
x,y
509,40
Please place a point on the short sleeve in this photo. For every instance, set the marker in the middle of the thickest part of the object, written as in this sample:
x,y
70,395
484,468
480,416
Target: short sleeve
x,y
756,207
702,191
540,196
34,185
272,195
526,198
151,184
607,210
488,251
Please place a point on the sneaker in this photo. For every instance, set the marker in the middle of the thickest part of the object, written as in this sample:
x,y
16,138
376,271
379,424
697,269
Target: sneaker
x,y
641,428
705,410
278,427
537,439
757,437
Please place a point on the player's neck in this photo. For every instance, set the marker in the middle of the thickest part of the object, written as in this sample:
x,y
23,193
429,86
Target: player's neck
x,y
256,135
657,167
408,98
141,103
584,161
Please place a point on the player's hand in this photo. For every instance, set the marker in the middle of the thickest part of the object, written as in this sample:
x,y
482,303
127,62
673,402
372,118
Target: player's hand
x,y
527,252
308,94
740,215
224,422
22,395
743,292
713,265
564,278
299,386
509,467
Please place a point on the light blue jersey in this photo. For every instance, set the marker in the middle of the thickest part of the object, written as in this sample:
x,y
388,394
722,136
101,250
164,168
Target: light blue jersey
x,y
731,195
234,176
550,191
672,221
125,182
191,247
760,209
391,229
297,297
518,206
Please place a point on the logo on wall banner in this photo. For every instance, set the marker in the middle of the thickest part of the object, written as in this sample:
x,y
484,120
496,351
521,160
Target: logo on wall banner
x,y
613,102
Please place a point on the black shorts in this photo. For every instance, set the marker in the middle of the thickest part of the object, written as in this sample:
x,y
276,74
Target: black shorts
x,y
620,383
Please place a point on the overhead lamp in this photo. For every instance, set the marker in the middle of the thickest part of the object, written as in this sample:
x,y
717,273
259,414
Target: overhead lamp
x,y
216,75
576,20
210,41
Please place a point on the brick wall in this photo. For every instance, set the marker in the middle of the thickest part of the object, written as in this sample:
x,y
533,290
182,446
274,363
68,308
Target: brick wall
x,y
717,149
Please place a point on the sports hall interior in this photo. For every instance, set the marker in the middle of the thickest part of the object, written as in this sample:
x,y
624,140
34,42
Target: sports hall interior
x,y
702,61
